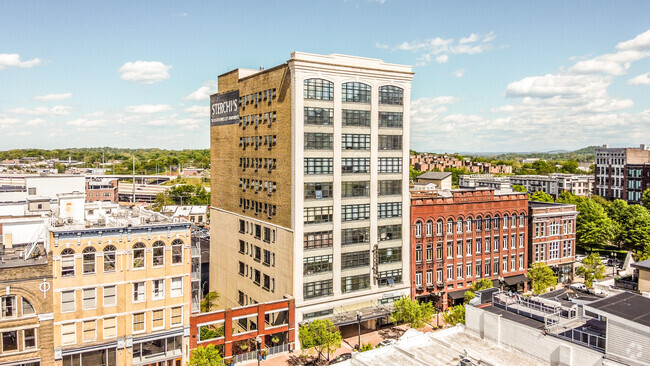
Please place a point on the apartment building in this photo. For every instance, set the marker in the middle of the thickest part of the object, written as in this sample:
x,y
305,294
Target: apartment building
x,y
461,236
428,162
611,168
578,184
101,189
534,183
310,185
121,286
636,179
552,228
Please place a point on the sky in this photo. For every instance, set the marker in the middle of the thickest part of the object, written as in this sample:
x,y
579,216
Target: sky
x,y
490,76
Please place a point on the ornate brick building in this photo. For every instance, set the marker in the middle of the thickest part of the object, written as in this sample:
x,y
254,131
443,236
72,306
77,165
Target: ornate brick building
x,y
461,236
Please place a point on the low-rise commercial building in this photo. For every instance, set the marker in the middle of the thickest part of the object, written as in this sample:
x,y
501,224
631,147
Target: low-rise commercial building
x,y
101,189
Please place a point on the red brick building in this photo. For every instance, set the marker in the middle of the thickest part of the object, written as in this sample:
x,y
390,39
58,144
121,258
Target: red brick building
x,y
101,189
553,237
461,236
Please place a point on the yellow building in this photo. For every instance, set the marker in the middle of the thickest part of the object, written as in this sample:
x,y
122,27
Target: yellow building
x,y
121,288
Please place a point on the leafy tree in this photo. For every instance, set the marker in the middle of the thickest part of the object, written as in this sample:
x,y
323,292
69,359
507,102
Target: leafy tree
x,y
455,315
570,166
412,312
592,269
320,335
568,197
518,188
540,196
642,255
645,199
60,168
209,302
593,228
634,228
206,356
479,285
187,194
162,199
542,277
414,173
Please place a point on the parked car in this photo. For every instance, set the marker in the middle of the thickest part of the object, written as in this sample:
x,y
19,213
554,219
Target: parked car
x,y
341,358
387,342
613,262
580,257
578,286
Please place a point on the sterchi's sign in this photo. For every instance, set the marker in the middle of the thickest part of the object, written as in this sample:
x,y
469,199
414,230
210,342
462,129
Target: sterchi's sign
x,y
224,109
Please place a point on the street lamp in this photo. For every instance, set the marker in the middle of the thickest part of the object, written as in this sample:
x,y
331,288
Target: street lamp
x,y
258,340
613,264
359,323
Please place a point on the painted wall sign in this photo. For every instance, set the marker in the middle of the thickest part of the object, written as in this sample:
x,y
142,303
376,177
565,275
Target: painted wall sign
x,y
224,109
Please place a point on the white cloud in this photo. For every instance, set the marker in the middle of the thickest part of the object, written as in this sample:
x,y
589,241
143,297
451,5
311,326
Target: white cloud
x,y
459,73
52,97
199,111
13,60
8,121
203,93
148,108
638,43
35,122
643,79
145,72
551,85
377,1
469,39
58,110
612,63
442,59
381,46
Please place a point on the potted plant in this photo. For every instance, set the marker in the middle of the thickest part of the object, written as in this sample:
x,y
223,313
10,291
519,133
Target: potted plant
x,y
243,347
263,354
275,339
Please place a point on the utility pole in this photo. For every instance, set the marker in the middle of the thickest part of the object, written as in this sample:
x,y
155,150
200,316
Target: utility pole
x,y
134,179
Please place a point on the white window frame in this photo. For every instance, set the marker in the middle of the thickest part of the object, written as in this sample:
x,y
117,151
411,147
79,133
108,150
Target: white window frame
x,y
35,339
74,327
144,322
172,287
74,301
104,336
83,298
153,319
171,316
418,278
104,303
161,295
83,331
144,291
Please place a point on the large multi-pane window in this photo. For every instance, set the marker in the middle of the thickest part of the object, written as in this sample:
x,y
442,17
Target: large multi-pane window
x,y
355,235
350,141
355,189
318,141
356,92
109,258
390,142
355,165
389,255
389,232
390,94
316,215
355,259
390,165
177,251
390,119
356,118
89,260
318,166
389,278
389,209
355,212
355,283
319,89
158,253
319,239
67,262
319,116
317,264
390,187
318,190
138,255
317,289
554,250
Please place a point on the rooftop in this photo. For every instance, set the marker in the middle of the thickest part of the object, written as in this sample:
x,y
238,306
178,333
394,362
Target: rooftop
x,y
626,305
434,175
642,265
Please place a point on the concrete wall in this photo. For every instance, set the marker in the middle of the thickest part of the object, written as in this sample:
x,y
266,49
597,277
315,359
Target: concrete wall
x,y
644,281
50,186
529,340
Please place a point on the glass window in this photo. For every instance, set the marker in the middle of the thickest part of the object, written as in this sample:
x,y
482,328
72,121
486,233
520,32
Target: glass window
x,y
138,255
110,327
389,255
28,309
158,318
67,262
429,227
89,260
356,92
355,259
110,295
317,264
355,118
177,251
9,341
89,330
318,141
350,141
138,322
389,232
319,116
390,94
319,239
67,301
390,165
390,119
177,315
109,258
318,166
138,291
390,188
418,229
355,165
69,333
317,215
29,338
158,254
389,278
89,299
355,283
318,89
389,209
158,289
355,212
355,189
355,236
318,190
8,304
317,289
177,287
390,142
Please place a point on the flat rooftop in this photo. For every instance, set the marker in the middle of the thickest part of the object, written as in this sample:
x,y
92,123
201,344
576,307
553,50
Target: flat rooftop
x,y
626,305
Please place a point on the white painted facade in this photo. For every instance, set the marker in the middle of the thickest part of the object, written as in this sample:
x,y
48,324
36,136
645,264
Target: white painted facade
x,y
51,185
340,69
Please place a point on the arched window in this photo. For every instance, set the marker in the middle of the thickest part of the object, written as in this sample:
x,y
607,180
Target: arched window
x,y
89,260
356,92
479,223
390,94
318,89
177,251
488,221
67,262
439,227
513,222
109,258
459,225
497,221
138,255
429,231
505,221
418,229
522,220
468,225
158,254
450,226
28,308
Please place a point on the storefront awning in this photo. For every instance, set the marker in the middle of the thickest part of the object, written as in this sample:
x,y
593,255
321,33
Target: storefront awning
x,y
456,295
513,280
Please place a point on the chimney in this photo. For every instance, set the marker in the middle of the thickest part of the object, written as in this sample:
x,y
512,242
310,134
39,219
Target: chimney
x,y
644,147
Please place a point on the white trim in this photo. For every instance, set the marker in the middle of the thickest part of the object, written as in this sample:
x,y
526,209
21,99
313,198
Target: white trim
x,y
144,322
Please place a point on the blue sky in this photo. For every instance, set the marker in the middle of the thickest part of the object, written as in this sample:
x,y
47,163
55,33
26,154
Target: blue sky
x,y
489,76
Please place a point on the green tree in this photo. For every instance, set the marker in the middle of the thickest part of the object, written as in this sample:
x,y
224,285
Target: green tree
x,y
162,199
414,173
592,269
542,277
206,356
643,254
412,312
570,166
645,199
209,302
455,315
568,197
540,196
593,228
634,232
479,285
518,188
60,168
321,336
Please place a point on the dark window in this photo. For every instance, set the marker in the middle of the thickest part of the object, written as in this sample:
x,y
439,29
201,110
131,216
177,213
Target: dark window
x,y
355,141
355,283
316,215
389,232
89,260
355,259
355,212
267,257
258,253
9,341
318,166
109,258
319,239
318,190
318,264
158,253
267,282
390,255
390,187
258,231
352,117
390,142
390,165
258,277
318,141
355,189
317,289
242,226
318,89
355,236
390,209
390,119
355,165
390,94
356,92
241,268
319,116
389,278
